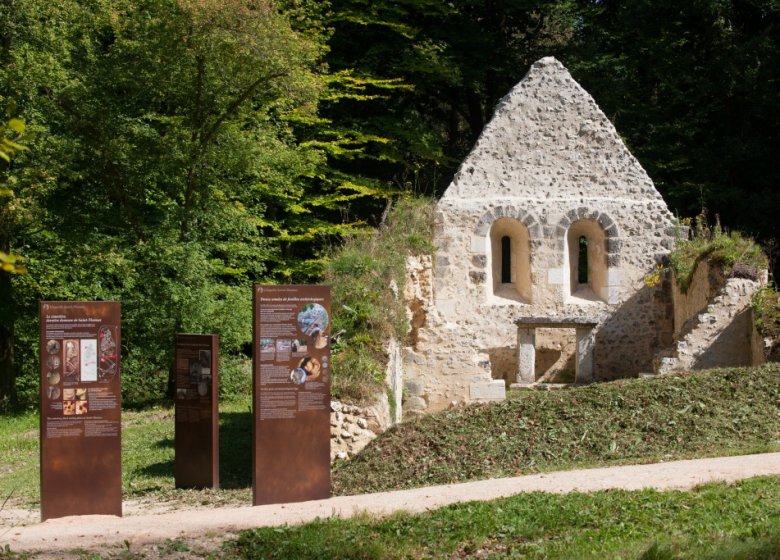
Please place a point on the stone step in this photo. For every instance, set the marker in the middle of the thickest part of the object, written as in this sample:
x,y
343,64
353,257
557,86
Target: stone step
x,y
542,386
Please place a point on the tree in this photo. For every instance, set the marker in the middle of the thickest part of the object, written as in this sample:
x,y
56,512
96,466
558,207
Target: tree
x,y
456,60
9,263
693,88
170,155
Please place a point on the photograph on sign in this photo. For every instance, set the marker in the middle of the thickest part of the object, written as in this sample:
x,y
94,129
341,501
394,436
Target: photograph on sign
x,y
292,378
72,358
80,410
196,361
88,350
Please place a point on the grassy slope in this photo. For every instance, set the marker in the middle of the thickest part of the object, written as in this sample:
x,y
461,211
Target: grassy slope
x,y
740,521
19,458
710,413
707,414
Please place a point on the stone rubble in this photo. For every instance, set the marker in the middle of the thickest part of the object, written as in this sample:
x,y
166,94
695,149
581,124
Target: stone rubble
x,y
353,427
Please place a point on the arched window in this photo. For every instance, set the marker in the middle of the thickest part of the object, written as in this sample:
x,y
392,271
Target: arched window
x,y
510,260
587,265
506,260
582,260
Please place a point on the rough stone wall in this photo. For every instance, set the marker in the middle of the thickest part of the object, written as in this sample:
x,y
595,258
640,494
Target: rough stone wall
x,y
553,164
354,427
705,284
721,335
394,376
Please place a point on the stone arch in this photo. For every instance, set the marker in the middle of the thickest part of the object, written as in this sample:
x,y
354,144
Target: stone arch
x,y
603,245
509,255
510,234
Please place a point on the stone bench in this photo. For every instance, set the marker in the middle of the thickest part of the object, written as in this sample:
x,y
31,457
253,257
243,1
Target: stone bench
x,y
526,346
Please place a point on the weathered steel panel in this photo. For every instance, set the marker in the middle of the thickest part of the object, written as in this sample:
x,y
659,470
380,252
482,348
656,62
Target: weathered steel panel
x,y
81,448
291,392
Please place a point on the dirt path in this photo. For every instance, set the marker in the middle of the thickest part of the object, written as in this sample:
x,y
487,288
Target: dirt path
x,y
209,527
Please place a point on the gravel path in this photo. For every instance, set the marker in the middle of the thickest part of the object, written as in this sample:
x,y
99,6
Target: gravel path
x,y
211,526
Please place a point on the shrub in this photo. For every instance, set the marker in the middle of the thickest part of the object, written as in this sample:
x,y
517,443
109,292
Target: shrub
x,y
739,256
367,276
235,377
766,313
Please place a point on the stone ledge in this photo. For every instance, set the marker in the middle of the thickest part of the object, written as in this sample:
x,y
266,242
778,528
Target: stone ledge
x,y
554,321
494,390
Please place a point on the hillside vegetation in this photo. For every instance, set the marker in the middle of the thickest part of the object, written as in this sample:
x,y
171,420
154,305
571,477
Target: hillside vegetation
x,y
367,275
709,413
735,254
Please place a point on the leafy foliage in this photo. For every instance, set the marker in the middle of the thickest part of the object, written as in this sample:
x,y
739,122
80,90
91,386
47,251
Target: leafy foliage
x,y
14,128
766,313
455,60
691,87
733,252
368,274
180,159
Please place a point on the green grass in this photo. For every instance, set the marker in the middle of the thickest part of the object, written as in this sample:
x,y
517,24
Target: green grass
x,y
366,313
716,521
718,412
733,252
19,459
147,457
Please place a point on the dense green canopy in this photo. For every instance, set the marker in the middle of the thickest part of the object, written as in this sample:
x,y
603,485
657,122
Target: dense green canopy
x,y
180,150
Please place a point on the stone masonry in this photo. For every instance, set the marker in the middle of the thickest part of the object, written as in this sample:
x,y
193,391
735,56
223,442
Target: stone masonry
x,y
353,427
714,324
549,215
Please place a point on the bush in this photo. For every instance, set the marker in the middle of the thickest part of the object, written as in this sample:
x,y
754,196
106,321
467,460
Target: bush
x,y
739,256
367,275
766,314
235,377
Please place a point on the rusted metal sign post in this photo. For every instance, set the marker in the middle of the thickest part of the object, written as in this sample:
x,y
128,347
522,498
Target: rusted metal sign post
x,y
291,391
81,449
197,415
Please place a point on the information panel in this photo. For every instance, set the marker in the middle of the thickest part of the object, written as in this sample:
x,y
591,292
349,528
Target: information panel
x,y
81,450
197,415
292,375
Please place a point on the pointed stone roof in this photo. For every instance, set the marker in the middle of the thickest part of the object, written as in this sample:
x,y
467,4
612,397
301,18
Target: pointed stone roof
x,y
549,139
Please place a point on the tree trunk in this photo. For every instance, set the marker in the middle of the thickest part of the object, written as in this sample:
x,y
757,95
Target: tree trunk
x,y
7,363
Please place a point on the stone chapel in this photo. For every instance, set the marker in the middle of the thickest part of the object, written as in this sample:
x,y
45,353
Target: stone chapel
x,y
550,225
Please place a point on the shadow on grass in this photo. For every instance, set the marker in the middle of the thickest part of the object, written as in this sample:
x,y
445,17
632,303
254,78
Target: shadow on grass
x,y
166,443
235,452
161,469
235,449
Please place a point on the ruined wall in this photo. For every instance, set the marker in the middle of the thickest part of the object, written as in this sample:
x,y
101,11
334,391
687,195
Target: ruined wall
x,y
714,323
354,427
549,165
706,282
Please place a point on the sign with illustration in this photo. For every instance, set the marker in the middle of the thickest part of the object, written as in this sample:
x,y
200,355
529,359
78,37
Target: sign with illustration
x,y
81,470
197,416
292,376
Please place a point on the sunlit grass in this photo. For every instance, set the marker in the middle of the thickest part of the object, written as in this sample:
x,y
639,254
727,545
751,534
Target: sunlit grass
x,y
715,521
